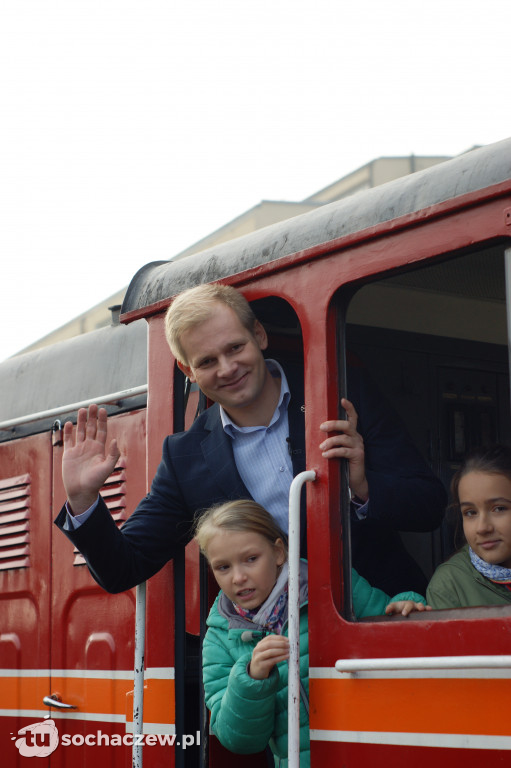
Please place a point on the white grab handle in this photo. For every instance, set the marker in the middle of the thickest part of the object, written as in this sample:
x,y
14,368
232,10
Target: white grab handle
x,y
138,682
293,700
422,662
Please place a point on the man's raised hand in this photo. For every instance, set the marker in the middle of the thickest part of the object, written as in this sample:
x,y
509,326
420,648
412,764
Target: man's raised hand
x,y
86,463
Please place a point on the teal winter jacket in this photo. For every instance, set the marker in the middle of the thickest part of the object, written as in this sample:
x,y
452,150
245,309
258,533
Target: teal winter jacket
x,y
248,714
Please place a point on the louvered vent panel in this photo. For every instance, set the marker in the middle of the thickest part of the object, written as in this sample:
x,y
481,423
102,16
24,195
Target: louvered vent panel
x,y
14,522
114,496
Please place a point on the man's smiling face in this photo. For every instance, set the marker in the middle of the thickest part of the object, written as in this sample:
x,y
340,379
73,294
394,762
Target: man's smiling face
x,y
225,359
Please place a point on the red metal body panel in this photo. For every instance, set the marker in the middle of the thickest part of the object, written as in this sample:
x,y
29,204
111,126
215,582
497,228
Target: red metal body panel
x,y
25,637
331,637
61,634
402,757
93,631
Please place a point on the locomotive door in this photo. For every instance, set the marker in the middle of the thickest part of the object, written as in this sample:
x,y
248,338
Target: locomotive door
x,y
25,542
92,631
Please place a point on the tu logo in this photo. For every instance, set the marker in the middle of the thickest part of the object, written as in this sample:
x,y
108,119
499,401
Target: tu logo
x,y
37,739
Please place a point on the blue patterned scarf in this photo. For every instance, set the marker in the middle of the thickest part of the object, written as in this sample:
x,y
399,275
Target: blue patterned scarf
x,y
496,573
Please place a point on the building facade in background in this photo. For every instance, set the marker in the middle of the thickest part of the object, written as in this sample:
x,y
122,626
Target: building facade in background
x,y
263,214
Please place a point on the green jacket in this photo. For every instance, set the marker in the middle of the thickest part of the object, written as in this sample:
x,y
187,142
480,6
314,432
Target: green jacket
x,y
248,714
457,584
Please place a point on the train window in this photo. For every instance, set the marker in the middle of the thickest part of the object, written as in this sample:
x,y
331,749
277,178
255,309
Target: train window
x,y
433,340
283,328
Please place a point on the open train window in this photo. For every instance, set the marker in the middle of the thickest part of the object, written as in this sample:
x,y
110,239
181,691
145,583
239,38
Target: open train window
x,y
433,341
192,605
283,328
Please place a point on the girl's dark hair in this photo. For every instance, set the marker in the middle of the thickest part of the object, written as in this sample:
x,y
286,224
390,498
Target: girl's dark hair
x,y
494,460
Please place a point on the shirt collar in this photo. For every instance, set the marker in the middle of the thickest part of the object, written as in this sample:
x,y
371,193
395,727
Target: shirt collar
x,y
276,371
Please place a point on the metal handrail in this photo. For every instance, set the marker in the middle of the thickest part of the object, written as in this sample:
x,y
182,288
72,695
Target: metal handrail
x,y
138,677
293,700
423,662
123,394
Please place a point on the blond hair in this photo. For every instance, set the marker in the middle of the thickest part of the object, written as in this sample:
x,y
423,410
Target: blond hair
x,y
241,515
195,306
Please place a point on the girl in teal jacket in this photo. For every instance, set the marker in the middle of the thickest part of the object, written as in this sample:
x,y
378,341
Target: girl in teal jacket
x,y
246,647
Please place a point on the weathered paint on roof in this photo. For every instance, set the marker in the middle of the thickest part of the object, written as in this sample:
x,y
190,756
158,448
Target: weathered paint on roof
x,y
475,170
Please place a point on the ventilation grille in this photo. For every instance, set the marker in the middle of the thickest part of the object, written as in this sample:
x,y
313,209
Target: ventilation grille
x,y
14,522
114,496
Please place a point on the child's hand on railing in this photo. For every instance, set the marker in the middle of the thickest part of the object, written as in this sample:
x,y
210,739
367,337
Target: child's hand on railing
x,y
404,607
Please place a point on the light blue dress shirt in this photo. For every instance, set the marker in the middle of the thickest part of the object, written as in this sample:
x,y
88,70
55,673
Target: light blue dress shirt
x,y
262,454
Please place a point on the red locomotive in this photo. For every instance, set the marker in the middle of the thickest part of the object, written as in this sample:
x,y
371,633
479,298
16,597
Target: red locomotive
x,y
411,277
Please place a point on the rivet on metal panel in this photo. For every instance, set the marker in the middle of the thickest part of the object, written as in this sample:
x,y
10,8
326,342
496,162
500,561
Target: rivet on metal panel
x,y
507,216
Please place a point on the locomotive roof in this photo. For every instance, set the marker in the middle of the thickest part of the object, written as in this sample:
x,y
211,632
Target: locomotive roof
x,y
474,170
86,367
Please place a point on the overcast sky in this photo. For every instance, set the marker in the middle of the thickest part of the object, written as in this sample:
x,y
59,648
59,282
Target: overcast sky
x,y
130,130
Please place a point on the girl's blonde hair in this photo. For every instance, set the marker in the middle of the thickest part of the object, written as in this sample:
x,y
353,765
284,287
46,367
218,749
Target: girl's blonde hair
x,y
240,515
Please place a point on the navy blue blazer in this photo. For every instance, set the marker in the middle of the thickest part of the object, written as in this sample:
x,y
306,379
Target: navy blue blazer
x,y
198,469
